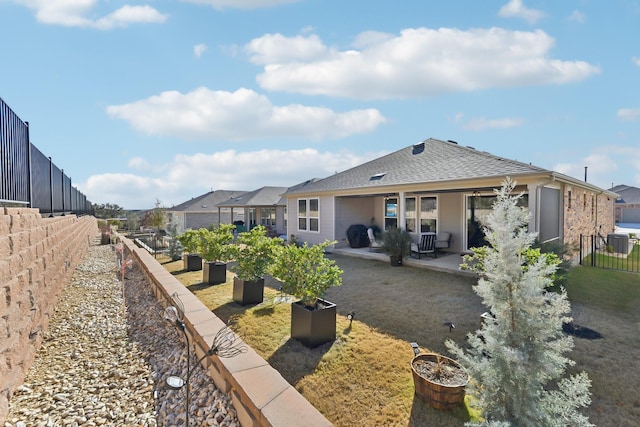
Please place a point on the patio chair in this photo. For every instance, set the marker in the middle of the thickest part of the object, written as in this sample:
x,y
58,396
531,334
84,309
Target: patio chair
x,y
443,240
425,246
375,245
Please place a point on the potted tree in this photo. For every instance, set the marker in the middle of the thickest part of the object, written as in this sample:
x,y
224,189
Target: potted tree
x,y
254,253
396,242
306,274
216,250
190,241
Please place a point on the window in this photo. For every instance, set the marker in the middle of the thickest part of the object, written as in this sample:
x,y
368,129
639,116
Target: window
x,y
390,212
285,217
308,215
252,217
569,199
268,217
479,208
428,214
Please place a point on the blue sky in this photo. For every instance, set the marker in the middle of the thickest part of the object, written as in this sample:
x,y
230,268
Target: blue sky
x,y
164,100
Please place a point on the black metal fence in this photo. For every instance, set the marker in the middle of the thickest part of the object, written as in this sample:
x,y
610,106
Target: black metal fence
x,y
614,251
28,177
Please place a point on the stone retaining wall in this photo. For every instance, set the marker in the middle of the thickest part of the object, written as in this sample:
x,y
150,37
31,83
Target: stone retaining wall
x,y
37,258
260,395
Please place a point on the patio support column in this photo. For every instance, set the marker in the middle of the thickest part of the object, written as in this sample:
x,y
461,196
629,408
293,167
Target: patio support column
x,y
534,207
402,214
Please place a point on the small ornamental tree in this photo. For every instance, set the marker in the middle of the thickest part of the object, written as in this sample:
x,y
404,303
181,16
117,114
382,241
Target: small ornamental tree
x,y
254,253
516,359
175,248
305,272
215,244
190,241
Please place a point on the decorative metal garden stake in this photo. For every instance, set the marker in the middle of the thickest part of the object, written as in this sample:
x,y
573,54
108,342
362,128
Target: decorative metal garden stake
x,y
226,343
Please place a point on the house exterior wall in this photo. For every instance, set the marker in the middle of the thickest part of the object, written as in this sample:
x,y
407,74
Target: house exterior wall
x,y
326,221
280,228
627,212
581,218
353,210
451,211
196,221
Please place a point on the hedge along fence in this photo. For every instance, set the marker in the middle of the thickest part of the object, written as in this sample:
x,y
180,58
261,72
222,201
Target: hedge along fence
x,y
260,395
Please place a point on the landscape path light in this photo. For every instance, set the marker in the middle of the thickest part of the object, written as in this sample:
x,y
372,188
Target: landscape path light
x,y
226,343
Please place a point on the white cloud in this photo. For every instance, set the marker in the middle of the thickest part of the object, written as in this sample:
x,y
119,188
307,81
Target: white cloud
x,y
72,13
607,166
187,176
199,49
418,62
276,48
517,9
629,114
577,16
240,115
481,123
636,61
240,4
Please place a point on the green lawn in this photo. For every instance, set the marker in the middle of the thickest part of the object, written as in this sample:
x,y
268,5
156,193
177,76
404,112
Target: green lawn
x,y
609,302
609,261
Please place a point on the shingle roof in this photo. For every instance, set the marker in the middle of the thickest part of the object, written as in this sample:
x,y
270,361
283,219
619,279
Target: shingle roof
x,y
206,202
628,194
430,161
265,196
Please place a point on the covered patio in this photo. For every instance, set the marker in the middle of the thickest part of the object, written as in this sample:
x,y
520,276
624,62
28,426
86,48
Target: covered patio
x,y
446,261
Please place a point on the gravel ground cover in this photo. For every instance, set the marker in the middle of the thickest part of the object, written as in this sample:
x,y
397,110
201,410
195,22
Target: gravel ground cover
x,y
105,358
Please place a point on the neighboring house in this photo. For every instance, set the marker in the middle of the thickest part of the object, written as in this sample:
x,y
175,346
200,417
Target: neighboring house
x,y
442,186
627,204
202,211
263,206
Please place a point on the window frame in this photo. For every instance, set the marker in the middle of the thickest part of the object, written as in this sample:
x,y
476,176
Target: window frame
x,y
308,217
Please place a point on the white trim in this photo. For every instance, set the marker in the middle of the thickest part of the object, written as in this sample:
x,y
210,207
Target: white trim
x,y
307,216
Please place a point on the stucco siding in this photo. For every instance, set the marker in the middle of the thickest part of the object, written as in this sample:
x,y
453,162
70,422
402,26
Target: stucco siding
x,y
353,210
326,221
451,219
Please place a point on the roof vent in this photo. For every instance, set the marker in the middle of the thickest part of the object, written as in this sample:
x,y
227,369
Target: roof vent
x,y
452,141
418,148
377,176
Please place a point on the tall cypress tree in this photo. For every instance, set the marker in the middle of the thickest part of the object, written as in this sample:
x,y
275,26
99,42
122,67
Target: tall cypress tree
x,y
516,359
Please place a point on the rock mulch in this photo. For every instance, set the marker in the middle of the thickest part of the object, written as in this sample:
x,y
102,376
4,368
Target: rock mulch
x,y
105,358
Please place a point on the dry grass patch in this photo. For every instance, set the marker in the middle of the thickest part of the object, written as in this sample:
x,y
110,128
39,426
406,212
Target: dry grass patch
x,y
364,378
608,302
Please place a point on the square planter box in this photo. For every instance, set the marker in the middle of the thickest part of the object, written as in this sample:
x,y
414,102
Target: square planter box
x,y
192,262
214,273
248,292
313,327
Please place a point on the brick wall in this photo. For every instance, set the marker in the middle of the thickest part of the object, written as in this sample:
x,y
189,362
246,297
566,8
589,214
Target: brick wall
x,y
586,212
37,257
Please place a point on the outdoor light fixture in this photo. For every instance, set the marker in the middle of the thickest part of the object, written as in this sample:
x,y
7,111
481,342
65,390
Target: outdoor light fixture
x,y
350,317
226,343
415,347
450,325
